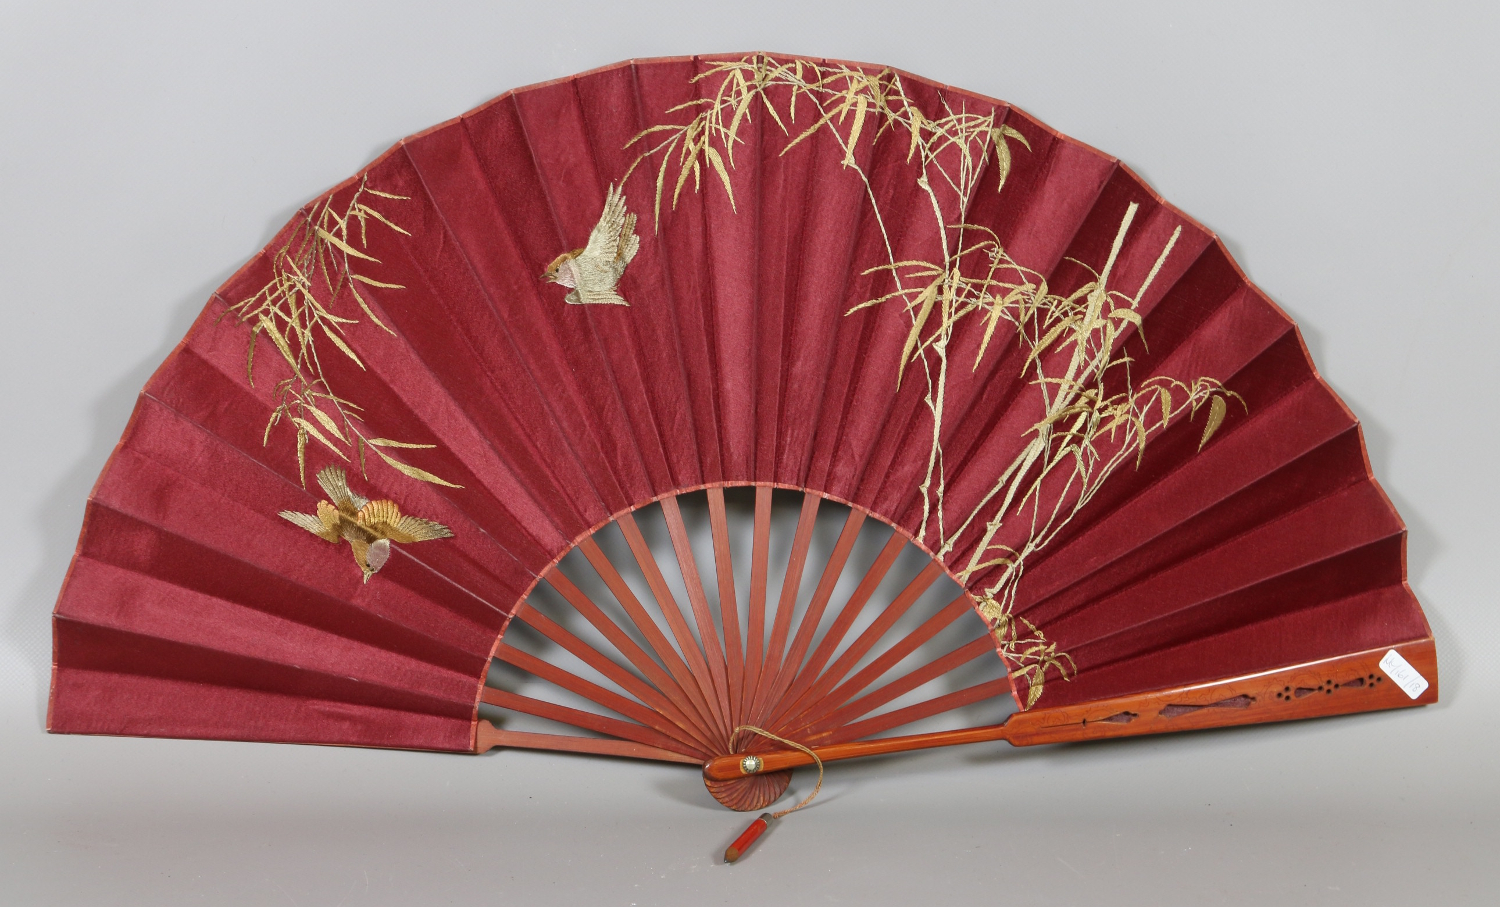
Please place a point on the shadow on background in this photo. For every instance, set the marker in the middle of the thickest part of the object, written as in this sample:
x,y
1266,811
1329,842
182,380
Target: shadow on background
x,y
59,518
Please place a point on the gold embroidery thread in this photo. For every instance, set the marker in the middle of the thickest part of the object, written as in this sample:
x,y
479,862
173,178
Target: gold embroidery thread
x,y
1072,340
316,266
370,527
592,274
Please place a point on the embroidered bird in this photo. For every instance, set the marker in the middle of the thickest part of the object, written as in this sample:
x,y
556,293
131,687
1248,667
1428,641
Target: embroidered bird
x,y
368,526
591,273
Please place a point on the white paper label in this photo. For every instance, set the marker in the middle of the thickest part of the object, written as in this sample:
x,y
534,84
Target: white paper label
x,y
1411,682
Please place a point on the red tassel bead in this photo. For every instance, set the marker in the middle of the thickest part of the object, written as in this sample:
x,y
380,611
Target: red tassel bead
x,y
743,842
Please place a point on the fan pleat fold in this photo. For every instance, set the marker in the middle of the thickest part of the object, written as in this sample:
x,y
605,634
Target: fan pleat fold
x,y
458,384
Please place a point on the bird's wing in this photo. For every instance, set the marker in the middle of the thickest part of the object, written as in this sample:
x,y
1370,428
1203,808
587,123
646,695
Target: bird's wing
x,y
331,519
604,241
335,483
379,517
416,529
629,244
313,522
600,295
384,520
596,280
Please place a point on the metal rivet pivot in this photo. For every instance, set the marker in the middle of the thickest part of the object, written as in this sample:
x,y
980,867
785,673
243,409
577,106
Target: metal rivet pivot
x,y
750,765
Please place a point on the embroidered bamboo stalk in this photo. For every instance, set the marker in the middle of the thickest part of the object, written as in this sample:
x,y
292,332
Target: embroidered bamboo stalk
x,y
1074,339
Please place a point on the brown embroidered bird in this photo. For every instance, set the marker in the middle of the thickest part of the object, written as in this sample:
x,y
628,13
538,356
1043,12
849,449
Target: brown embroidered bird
x,y
368,526
591,273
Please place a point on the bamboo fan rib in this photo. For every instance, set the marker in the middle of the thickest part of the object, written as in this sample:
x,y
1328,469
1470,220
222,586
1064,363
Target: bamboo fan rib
x,y
674,671
911,306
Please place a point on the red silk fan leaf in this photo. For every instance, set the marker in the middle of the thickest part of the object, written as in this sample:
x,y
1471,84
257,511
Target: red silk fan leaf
x,y
593,314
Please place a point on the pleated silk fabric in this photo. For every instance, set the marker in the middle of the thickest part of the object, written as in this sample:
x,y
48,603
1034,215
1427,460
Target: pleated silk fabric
x,y
192,609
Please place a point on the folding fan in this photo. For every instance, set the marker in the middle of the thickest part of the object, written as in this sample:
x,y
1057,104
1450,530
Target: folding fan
x,y
517,400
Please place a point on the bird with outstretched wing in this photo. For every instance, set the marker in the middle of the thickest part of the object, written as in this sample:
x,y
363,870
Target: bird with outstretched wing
x,y
592,273
368,526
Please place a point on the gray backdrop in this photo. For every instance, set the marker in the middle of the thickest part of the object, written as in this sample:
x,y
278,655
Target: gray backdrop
x,y
1346,154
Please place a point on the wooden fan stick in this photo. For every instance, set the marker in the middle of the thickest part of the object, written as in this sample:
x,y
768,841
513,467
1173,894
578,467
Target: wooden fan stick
x,y
889,659
867,640
734,649
1348,683
881,723
586,653
620,705
818,604
701,689
693,582
588,721
663,650
837,717
616,637
791,585
811,671
760,560
487,737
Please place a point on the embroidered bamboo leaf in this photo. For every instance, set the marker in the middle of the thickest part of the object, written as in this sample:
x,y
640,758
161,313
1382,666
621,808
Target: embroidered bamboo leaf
x,y
718,165
269,326
250,356
327,422
683,174
923,303
916,132
376,283
311,429
740,112
861,106
296,311
412,471
343,246
367,210
366,308
1216,410
661,179
1002,160
339,342
1055,332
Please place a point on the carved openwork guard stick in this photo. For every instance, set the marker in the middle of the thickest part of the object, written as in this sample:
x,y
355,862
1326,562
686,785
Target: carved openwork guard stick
x,y
1329,687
